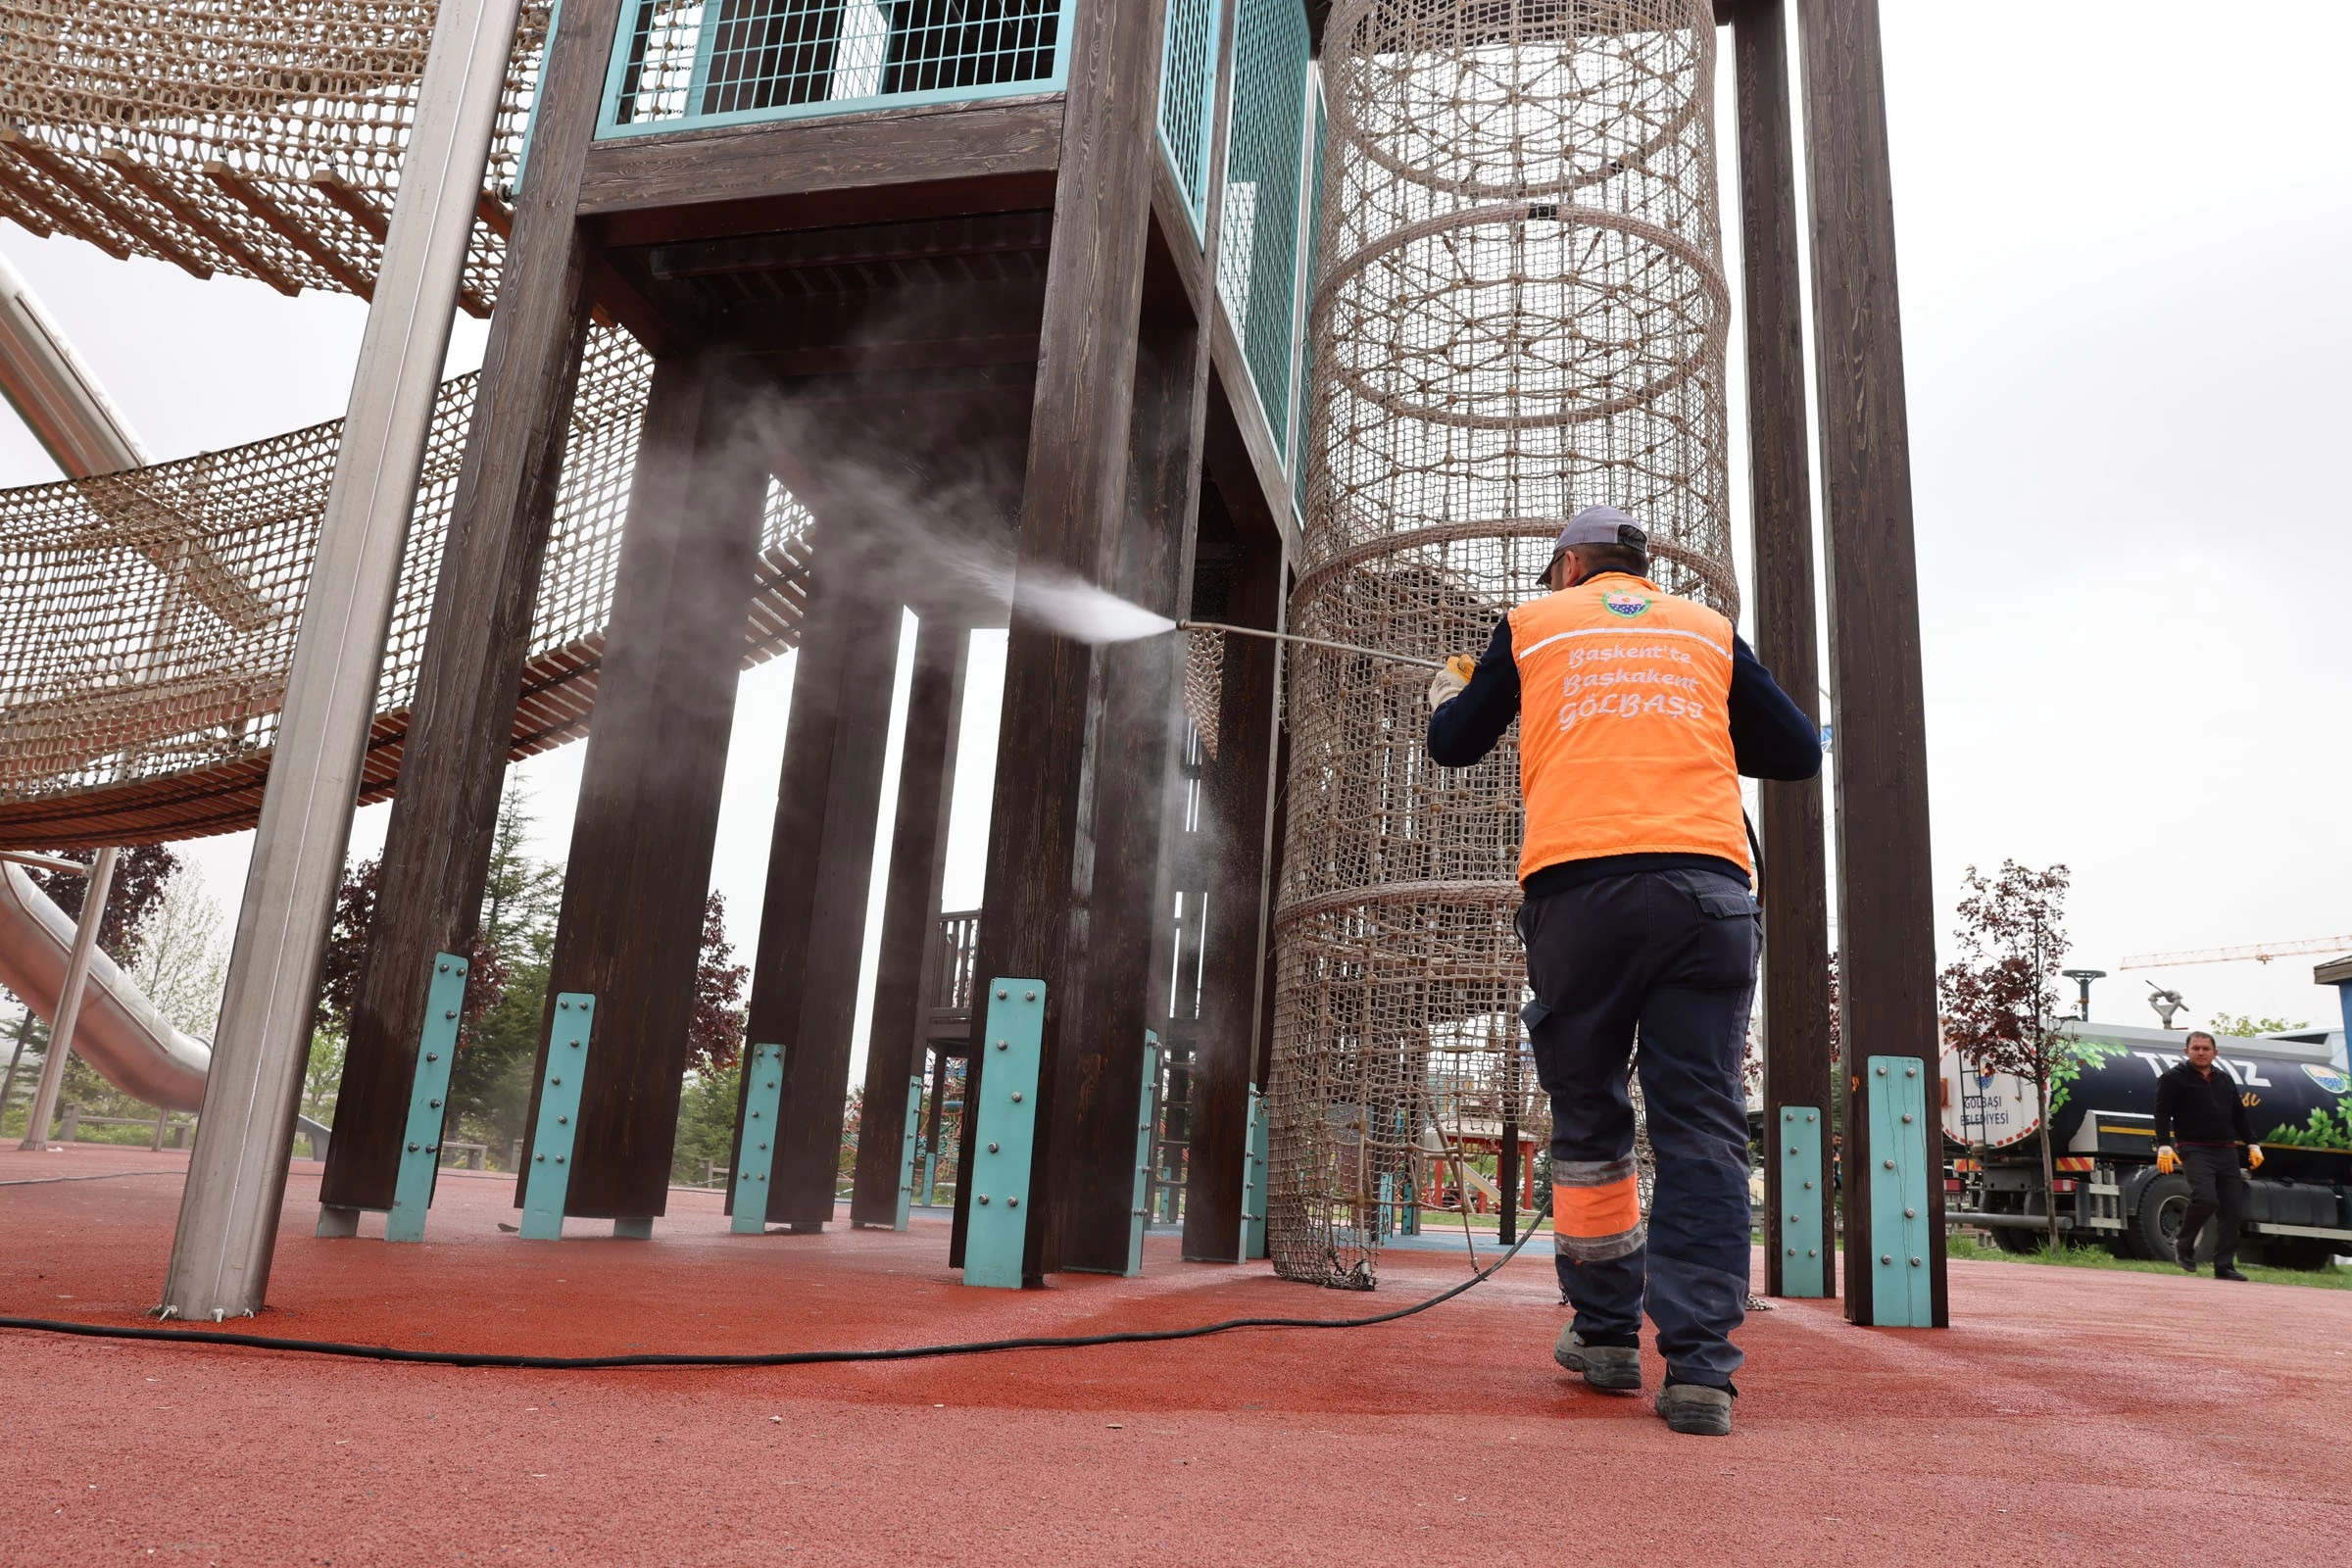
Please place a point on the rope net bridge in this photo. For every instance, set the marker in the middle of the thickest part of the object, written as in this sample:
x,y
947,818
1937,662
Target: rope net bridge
x,y
1520,312
147,618
262,140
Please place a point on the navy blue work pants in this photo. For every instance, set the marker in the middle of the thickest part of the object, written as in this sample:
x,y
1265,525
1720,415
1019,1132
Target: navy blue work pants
x,y
1668,956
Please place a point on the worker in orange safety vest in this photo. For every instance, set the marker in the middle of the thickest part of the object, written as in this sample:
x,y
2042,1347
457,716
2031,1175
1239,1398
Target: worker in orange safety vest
x,y
1637,712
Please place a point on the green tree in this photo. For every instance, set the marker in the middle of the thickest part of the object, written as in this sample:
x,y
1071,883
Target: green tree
x,y
2001,1002
2239,1024
706,1124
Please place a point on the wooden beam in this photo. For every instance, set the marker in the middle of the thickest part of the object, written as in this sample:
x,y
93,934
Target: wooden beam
x,y
214,234
296,233
1134,830
919,860
437,844
639,868
27,218
820,861
1798,1068
1044,917
795,158
364,211
62,171
62,219
1886,879
1237,820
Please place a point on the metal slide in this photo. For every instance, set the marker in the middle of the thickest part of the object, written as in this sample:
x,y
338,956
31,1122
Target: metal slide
x,y
119,1033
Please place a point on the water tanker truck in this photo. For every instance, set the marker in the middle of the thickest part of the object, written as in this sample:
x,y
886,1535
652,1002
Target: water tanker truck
x,y
2106,1186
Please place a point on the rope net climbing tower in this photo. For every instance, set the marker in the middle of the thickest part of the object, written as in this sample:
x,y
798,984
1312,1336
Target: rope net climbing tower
x,y
1521,311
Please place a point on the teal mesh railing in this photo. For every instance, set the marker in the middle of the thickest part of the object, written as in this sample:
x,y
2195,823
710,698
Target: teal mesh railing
x,y
1257,246
688,63
1188,99
1308,277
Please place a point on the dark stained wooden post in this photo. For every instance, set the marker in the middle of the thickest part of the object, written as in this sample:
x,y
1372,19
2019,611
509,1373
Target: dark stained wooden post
x,y
437,844
1125,963
1797,1066
918,862
1237,787
638,875
1887,916
821,863
1044,915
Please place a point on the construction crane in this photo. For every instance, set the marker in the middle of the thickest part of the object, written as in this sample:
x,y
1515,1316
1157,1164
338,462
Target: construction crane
x,y
2260,952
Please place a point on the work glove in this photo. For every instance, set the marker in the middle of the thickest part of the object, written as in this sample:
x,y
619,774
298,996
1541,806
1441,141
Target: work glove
x,y
1451,681
2253,1156
2167,1160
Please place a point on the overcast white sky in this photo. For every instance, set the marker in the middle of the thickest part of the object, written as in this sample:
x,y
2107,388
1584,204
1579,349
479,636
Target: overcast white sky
x,y
2126,322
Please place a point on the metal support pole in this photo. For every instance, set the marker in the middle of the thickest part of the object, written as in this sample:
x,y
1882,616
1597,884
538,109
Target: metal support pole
x,y
237,1173
68,1001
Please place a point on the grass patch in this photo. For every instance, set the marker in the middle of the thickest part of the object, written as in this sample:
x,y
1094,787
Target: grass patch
x,y
1968,1249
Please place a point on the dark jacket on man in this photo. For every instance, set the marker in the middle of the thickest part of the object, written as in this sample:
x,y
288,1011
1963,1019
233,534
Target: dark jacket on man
x,y
2194,1108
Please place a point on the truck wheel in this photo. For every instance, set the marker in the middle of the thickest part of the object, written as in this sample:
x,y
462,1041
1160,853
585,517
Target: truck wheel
x,y
2017,1238
2154,1228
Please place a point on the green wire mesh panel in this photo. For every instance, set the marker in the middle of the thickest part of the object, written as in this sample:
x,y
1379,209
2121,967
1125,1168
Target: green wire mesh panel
x,y
1314,268
699,62
1257,253
1188,92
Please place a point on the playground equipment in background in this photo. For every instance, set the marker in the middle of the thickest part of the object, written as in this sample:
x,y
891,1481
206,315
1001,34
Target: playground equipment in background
x,y
120,1032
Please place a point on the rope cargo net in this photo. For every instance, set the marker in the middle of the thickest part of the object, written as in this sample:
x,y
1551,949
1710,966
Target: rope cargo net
x,y
147,618
262,140
1520,312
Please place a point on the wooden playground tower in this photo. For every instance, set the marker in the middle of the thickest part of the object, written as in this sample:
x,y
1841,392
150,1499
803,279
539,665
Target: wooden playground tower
x,y
956,286
977,279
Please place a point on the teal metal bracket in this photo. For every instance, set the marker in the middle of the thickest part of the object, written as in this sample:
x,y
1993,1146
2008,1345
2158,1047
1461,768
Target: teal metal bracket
x,y
910,1146
996,1231
1803,1244
428,1099
1254,1180
1146,1126
1900,1291
559,1117
761,1099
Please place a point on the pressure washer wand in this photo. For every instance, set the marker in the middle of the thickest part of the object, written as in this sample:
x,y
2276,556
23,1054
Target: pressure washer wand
x,y
1311,642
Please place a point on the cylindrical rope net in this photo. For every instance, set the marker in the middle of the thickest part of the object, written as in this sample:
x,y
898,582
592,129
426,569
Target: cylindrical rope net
x,y
1521,311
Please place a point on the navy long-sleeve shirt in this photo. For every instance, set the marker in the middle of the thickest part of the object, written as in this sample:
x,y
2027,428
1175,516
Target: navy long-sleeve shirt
x,y
1770,738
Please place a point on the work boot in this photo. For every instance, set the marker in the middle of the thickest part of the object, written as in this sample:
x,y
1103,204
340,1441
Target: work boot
x,y
1696,1409
2228,1271
2184,1256
1605,1366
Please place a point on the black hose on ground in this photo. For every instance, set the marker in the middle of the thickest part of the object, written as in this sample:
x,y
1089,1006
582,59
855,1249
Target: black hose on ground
x,y
584,1363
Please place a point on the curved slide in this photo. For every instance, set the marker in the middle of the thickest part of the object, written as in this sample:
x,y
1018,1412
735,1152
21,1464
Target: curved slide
x,y
133,1047
119,1033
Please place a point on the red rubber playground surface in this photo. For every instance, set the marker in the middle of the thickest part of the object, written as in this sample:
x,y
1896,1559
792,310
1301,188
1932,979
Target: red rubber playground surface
x,y
2071,1416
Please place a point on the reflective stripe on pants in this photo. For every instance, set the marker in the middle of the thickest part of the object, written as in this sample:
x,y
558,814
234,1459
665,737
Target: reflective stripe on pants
x,y
1672,957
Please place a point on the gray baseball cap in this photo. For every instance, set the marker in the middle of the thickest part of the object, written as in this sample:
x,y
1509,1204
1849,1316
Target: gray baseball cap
x,y
1600,525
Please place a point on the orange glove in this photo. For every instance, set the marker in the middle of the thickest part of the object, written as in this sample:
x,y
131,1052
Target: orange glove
x,y
2166,1160
2253,1156
1462,665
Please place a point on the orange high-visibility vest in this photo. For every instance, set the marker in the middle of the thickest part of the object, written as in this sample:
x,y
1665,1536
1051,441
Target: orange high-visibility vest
x,y
1625,729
